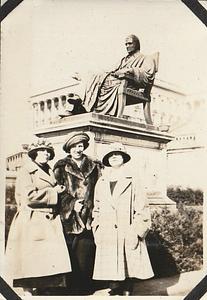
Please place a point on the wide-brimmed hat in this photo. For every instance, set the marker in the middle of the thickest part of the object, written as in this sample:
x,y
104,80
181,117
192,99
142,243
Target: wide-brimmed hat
x,y
40,144
116,147
74,138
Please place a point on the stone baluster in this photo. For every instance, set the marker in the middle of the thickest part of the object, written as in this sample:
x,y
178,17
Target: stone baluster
x,y
35,114
62,104
54,108
48,111
42,113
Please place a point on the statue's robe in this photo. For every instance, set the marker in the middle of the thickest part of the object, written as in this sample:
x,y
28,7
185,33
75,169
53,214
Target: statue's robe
x,y
102,95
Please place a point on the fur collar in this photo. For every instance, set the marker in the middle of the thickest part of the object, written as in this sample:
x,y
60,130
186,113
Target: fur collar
x,y
86,168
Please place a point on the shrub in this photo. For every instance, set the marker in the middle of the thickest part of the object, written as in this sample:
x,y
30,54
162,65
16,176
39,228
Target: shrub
x,y
10,208
10,197
178,241
185,196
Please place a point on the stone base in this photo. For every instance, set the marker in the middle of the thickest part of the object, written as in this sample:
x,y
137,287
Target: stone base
x,y
145,144
162,202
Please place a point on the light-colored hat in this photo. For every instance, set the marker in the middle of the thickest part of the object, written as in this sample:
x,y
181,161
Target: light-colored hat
x,y
116,147
74,138
40,144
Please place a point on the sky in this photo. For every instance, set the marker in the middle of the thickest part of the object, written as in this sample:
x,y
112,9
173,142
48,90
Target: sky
x,y
45,41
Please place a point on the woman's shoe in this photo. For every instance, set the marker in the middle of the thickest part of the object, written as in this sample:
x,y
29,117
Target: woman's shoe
x,y
116,292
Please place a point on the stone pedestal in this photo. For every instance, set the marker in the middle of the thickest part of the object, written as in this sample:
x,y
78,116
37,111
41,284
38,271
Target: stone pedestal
x,y
145,143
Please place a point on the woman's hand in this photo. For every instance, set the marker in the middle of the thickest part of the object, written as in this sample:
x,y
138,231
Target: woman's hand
x,y
59,188
78,205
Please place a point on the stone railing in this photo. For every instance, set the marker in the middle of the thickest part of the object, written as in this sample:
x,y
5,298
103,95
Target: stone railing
x,y
14,162
47,107
170,107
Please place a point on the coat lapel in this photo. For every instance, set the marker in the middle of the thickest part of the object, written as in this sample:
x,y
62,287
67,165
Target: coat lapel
x,y
42,175
121,186
86,168
107,191
73,171
47,177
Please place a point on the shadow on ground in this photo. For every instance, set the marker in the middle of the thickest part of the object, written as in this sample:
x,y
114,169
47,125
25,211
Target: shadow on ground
x,y
164,267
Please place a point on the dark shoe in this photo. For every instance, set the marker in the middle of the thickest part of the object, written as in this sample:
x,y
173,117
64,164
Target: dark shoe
x,y
116,292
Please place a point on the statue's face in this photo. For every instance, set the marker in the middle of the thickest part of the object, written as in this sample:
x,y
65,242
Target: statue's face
x,y
130,45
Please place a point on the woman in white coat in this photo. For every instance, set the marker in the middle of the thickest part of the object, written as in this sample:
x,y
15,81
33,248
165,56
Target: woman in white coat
x,y
36,252
121,220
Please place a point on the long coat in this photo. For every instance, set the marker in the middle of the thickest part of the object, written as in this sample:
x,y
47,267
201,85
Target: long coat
x,y
102,95
80,184
36,245
120,223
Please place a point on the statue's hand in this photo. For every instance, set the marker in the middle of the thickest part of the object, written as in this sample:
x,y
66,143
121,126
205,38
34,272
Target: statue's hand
x,y
124,71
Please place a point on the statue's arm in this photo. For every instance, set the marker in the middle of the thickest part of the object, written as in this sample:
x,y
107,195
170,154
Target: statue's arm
x,y
146,73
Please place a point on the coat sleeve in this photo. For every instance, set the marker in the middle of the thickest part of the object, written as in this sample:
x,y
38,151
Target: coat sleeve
x,y
66,200
141,211
34,197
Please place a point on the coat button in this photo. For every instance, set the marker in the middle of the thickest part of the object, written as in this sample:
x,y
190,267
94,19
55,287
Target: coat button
x,y
115,226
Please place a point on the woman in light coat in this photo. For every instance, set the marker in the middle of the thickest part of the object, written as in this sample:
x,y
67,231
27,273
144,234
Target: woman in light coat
x,y
36,252
121,220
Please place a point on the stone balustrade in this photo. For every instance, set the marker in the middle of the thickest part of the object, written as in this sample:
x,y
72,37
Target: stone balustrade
x,y
169,107
14,162
47,107
46,112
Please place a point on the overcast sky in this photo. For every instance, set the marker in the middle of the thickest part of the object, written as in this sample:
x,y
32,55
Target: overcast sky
x,y
45,41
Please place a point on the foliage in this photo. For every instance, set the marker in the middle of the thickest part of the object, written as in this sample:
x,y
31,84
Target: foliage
x,y
185,196
179,240
10,194
10,208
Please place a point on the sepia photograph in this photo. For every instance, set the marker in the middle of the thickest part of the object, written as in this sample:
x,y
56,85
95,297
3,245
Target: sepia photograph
x,y
103,149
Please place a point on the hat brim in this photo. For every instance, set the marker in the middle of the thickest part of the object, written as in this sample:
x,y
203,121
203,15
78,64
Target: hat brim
x,y
105,160
32,152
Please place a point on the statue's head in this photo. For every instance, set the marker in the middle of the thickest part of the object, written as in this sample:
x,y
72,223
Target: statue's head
x,y
132,43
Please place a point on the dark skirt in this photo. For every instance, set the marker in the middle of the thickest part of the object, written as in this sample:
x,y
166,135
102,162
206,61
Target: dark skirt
x,y
57,280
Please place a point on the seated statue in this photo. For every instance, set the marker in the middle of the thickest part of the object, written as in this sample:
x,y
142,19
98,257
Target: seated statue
x,y
102,93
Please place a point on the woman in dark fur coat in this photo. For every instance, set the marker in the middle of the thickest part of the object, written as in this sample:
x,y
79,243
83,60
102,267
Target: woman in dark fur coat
x,y
79,174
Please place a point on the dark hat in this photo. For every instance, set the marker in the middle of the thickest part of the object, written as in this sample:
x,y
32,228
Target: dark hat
x,y
74,138
40,144
116,147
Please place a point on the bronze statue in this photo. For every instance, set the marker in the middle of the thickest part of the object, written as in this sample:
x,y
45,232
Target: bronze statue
x,y
102,94
105,94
